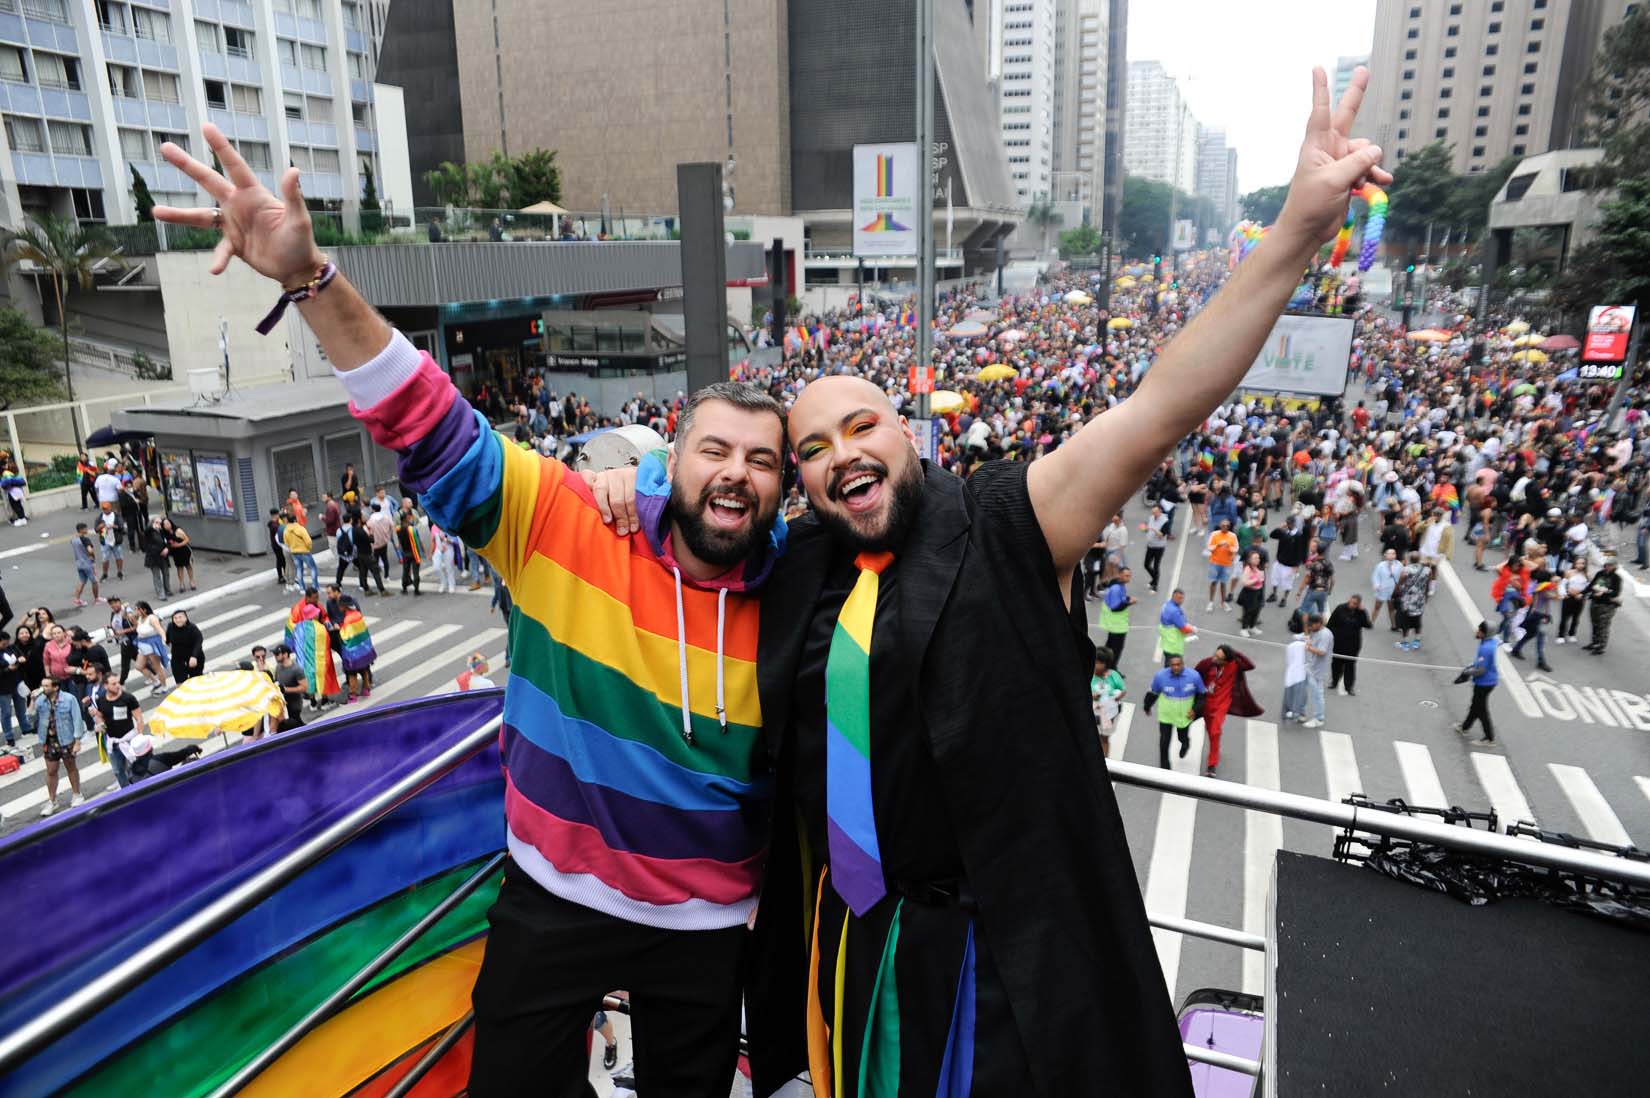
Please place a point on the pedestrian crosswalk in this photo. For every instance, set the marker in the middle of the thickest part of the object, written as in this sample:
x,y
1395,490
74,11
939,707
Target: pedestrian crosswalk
x,y
1195,847
416,656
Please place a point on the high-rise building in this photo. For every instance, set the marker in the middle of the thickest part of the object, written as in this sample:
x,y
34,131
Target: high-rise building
x,y
1217,173
1344,68
1080,105
1492,78
1026,92
89,89
1117,95
1162,137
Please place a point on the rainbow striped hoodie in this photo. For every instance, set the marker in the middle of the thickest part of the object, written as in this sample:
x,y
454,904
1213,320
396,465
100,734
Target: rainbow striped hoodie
x,y
633,782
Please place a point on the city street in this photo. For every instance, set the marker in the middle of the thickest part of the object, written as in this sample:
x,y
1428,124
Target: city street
x,y
1575,755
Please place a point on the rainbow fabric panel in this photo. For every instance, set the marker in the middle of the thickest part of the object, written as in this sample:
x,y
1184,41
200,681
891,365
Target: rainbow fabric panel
x,y
607,801
355,642
311,645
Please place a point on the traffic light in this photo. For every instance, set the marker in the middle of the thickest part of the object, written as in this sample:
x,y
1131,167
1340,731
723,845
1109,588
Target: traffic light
x,y
1410,269
1157,261
537,326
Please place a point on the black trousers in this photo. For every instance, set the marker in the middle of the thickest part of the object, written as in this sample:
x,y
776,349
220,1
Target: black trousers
x,y
548,964
1569,617
1344,668
409,574
1115,642
1154,562
280,563
1164,731
134,526
367,565
128,656
1480,711
1602,614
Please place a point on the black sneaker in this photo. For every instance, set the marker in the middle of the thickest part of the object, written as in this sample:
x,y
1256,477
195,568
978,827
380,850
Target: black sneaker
x,y
1185,746
610,1058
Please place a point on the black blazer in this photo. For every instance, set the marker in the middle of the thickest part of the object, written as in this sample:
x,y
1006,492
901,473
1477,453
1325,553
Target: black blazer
x,y
1001,662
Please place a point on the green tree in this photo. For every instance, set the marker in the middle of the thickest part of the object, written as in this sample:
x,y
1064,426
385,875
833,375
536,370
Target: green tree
x,y
141,198
450,184
1610,268
372,213
488,181
534,177
1615,95
1143,223
1044,216
1469,206
71,254
1265,204
28,367
1423,185
1082,240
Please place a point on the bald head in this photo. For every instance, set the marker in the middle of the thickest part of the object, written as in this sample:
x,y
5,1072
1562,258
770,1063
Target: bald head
x,y
858,461
842,393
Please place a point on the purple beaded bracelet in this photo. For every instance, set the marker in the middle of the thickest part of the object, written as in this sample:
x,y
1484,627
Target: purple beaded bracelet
x,y
323,278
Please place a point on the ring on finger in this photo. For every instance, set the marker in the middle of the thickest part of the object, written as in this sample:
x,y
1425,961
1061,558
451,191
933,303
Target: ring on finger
x,y
217,217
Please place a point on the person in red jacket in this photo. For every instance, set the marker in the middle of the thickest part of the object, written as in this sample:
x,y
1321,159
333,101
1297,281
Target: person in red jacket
x,y
1225,675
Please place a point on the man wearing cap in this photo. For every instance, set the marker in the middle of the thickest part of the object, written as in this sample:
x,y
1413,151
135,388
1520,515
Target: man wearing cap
x,y
1605,594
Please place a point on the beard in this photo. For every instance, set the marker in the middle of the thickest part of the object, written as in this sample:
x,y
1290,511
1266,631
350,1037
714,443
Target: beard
x,y
710,543
863,533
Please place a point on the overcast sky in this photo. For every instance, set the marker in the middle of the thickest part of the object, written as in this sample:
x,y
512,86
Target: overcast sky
x,y
1248,66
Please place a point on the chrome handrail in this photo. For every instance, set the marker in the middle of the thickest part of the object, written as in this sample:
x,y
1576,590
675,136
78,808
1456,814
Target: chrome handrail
x,y
1376,822
1221,1059
361,979
1213,932
454,1034
81,1004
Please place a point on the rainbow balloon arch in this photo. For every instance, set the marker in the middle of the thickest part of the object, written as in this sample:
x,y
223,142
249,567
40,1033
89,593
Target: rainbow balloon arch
x,y
1247,234
347,939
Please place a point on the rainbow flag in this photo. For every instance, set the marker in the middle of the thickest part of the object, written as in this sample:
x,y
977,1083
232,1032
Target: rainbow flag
x,y
907,319
312,646
356,642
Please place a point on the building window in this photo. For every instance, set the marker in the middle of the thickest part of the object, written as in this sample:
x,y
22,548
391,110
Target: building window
x,y
53,10
1413,33
1521,130
134,144
1403,133
88,205
1449,71
246,99
1415,13
298,156
288,51
1445,93
1409,55
1484,92
1491,50
1526,89
1518,150
1483,112
1449,51
54,71
1539,4
1440,132
1523,109
294,104
181,140
1409,74
1497,5
1443,112
1533,47
1529,67
1455,9
1406,94
1493,28
153,25
23,134
1478,150
111,16
161,87
207,38
217,95
315,57
1452,31
11,65
123,82
1480,131
69,138
357,66
255,153
1489,70
326,160
237,42
1403,115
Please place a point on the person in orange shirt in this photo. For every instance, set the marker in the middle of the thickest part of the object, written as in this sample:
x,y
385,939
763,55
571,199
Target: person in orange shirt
x,y
1222,550
296,506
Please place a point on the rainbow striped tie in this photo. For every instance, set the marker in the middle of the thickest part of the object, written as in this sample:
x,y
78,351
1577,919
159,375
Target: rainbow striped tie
x,y
850,820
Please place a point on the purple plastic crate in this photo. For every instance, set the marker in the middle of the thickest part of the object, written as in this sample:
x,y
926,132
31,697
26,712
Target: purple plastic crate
x,y
1237,1033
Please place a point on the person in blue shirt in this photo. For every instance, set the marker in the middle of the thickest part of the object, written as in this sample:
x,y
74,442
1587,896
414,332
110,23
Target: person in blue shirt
x,y
1485,678
1178,692
59,725
1173,631
1114,614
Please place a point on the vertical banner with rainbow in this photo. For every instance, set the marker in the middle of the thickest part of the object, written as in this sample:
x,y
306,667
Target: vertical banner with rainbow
x,y
312,646
885,200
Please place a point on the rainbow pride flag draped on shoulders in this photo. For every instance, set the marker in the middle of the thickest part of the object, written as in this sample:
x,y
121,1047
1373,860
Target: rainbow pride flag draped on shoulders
x,y
312,646
355,643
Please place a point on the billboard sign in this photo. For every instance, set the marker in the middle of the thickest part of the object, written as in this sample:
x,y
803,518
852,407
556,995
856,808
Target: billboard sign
x,y
921,379
1608,329
885,200
928,438
1304,354
1185,236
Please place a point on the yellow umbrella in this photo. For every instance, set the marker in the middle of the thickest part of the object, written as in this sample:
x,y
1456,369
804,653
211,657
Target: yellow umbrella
x,y
1147,278
1429,335
944,401
1124,282
1078,297
1517,327
998,371
220,701
1525,341
1117,322
1530,355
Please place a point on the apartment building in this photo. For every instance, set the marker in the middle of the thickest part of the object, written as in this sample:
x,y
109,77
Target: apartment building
x,y
1217,173
1344,68
1026,91
1492,78
1162,135
1081,63
89,89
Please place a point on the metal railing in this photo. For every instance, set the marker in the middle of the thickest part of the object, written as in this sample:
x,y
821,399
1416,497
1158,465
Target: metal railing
x,y
84,1003
80,1005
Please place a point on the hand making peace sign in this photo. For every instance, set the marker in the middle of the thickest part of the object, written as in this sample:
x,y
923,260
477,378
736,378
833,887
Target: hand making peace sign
x,y
1332,163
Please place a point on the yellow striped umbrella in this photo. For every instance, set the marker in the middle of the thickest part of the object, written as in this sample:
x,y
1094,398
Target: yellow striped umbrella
x,y
221,701
998,371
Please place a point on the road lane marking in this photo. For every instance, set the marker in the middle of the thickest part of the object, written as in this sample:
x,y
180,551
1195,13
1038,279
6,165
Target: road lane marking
x,y
1420,776
1595,812
1340,765
1644,786
1169,875
256,625
1262,837
449,657
228,615
1509,672
1120,731
1168,591
1496,776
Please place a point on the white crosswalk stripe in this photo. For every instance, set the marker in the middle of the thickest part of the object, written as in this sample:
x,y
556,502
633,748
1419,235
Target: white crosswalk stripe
x,y
219,645
1120,733
1644,786
1340,765
1420,776
1262,836
1496,776
447,660
208,624
1170,876
1595,812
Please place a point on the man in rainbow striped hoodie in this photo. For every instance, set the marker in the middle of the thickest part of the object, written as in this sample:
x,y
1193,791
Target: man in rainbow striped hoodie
x,y
636,796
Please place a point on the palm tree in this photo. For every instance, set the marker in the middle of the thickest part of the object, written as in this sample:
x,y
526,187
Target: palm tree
x,y
1043,214
66,250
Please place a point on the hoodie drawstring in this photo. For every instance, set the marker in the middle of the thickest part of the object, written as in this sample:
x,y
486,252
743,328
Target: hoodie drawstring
x,y
681,657
682,663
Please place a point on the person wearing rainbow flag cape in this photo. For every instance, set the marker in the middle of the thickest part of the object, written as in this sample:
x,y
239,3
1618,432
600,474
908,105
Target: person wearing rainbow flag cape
x,y
352,640
312,646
